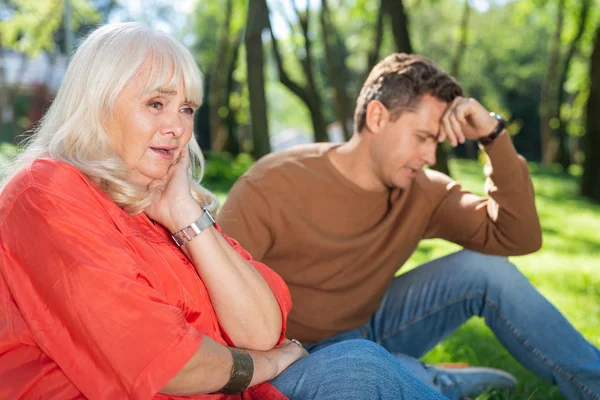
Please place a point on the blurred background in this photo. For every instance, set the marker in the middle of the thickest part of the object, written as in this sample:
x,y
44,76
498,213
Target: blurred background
x,y
285,72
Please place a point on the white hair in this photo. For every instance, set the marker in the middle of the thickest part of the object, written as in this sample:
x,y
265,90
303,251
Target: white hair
x,y
72,130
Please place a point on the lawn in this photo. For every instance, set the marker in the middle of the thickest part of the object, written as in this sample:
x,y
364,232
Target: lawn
x,y
566,270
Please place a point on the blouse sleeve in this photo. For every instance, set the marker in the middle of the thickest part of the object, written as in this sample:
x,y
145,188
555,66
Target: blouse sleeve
x,y
275,282
86,299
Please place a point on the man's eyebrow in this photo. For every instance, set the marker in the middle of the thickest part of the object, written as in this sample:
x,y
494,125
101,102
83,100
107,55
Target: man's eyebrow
x,y
428,133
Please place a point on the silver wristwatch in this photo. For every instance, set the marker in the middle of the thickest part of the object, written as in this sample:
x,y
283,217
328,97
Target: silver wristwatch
x,y
191,231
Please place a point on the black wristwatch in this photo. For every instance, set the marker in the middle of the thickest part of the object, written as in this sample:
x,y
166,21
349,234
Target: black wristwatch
x,y
502,123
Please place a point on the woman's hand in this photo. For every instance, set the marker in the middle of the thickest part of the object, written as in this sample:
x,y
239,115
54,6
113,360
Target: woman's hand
x,y
287,353
210,367
173,205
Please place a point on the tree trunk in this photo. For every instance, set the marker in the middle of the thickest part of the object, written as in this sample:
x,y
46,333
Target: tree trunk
x,y
548,94
470,147
14,90
232,143
462,44
338,72
563,156
201,116
399,19
373,56
216,96
590,184
5,103
308,93
258,19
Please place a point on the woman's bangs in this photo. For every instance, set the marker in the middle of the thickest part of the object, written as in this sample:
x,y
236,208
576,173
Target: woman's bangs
x,y
169,67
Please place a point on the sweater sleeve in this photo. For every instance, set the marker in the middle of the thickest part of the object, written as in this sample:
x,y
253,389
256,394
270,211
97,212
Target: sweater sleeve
x,y
245,217
503,223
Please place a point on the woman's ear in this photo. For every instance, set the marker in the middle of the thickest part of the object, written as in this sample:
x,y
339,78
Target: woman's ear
x,y
376,117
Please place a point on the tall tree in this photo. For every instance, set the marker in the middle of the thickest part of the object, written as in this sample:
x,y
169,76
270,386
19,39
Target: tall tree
x,y
308,93
462,41
395,10
257,21
548,94
563,156
217,95
590,184
231,141
470,147
338,72
373,53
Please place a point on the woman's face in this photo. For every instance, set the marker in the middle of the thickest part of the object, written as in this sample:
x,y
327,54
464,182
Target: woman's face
x,y
149,130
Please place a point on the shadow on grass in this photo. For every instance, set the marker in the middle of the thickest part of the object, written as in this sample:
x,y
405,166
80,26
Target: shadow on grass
x,y
475,344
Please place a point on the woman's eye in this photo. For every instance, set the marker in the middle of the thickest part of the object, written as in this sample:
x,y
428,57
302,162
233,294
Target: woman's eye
x,y
188,110
155,104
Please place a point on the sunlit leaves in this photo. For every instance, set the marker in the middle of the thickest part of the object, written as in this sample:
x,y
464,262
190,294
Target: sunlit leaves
x,y
31,24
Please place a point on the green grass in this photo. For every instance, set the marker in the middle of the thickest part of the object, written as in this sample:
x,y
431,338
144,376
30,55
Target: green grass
x,y
566,270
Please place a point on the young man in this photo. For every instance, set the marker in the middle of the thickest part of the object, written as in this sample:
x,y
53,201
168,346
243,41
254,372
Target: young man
x,y
337,221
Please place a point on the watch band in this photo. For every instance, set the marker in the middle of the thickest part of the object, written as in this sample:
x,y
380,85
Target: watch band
x,y
496,132
191,231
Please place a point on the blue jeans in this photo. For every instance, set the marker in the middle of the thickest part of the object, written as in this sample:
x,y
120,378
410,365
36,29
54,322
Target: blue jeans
x,y
354,369
427,304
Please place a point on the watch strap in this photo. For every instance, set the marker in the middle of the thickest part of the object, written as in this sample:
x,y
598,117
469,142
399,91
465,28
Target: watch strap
x,y
191,231
502,124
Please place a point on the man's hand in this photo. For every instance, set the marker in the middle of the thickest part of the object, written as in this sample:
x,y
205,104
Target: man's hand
x,y
465,118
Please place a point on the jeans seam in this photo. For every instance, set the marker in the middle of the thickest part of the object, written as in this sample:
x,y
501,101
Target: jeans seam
x,y
430,312
533,350
537,353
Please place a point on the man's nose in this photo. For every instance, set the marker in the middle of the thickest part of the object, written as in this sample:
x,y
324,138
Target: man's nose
x,y
429,154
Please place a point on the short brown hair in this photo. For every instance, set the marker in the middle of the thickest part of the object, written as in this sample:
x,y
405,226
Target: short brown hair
x,y
399,81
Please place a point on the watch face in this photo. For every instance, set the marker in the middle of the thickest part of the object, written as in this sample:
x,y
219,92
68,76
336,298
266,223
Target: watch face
x,y
498,117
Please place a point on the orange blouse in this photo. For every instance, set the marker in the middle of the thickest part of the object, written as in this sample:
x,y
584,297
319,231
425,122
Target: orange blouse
x,y
95,303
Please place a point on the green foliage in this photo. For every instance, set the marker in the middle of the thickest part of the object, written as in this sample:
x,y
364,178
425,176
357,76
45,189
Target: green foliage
x,y
7,152
203,32
31,26
222,170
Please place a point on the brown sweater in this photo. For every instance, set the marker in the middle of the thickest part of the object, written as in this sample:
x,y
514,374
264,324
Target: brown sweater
x,y
338,246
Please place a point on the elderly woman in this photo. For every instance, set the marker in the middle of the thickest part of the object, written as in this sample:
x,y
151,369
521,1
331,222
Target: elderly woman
x,y
115,281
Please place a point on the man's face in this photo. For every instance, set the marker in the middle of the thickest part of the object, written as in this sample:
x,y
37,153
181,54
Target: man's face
x,y
403,147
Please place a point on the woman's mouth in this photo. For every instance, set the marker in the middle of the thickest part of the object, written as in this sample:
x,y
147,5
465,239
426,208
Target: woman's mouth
x,y
167,153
